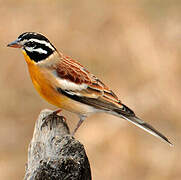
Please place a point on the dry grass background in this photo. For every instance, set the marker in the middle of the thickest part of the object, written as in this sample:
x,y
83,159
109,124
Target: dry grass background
x,y
134,46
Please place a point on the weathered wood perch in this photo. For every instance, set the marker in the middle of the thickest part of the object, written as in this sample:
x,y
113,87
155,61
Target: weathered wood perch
x,y
54,154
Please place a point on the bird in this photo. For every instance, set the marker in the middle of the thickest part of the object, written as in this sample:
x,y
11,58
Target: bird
x,y
68,85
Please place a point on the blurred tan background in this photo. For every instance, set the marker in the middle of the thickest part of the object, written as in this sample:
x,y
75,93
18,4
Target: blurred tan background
x,y
134,46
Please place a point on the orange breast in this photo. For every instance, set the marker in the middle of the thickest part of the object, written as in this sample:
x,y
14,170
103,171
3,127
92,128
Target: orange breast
x,y
45,84
44,87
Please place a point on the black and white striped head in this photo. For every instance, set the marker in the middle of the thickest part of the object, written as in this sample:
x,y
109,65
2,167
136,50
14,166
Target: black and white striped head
x,y
37,46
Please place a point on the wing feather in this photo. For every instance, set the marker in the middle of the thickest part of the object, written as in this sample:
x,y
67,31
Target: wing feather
x,y
75,82
74,79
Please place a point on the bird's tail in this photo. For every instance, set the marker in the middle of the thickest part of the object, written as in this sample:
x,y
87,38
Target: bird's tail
x,y
129,115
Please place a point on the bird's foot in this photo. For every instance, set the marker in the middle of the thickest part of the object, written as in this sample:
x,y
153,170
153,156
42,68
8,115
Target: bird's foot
x,y
51,118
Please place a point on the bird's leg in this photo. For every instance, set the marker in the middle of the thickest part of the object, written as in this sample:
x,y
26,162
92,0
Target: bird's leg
x,y
51,117
82,118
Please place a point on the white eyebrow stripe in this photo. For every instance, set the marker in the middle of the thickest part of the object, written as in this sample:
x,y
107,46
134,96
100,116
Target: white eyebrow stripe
x,y
40,50
42,42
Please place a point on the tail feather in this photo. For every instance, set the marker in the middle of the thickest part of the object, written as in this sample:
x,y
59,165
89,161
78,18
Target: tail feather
x,y
140,123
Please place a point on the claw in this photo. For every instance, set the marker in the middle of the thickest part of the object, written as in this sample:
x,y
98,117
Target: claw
x,y
50,118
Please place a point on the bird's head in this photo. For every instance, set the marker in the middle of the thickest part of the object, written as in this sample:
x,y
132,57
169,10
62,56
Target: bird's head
x,y
35,45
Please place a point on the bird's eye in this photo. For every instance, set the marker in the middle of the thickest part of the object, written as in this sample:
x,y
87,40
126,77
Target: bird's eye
x,y
31,44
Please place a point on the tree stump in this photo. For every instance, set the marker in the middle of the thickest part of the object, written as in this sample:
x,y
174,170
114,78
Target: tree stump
x,y
54,154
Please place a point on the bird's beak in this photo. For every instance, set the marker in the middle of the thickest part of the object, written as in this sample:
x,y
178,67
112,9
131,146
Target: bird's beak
x,y
15,44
